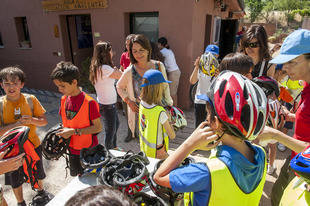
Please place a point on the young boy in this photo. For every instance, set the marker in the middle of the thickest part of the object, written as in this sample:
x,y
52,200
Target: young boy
x,y
238,62
203,83
236,174
79,113
19,109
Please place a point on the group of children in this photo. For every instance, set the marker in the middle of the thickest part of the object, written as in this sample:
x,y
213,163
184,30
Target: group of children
x,y
80,118
233,111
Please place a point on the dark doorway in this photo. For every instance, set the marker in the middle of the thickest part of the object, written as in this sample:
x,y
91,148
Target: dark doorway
x,y
208,30
227,37
78,38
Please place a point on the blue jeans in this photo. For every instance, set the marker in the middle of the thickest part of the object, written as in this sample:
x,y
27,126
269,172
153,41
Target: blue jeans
x,y
110,123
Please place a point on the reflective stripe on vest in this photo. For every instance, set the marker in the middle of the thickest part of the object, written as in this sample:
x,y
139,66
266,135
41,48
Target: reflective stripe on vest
x,y
148,128
295,196
81,120
223,185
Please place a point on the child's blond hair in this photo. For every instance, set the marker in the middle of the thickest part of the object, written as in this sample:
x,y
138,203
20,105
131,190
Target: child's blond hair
x,y
152,94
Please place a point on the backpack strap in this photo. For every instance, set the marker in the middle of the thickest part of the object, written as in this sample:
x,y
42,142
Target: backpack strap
x,y
262,68
1,111
29,101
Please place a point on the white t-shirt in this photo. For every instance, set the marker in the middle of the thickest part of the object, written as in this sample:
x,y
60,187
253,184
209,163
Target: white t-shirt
x,y
105,86
170,62
163,117
204,82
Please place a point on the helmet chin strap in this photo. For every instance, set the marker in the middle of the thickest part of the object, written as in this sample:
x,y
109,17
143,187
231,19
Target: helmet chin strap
x,y
220,136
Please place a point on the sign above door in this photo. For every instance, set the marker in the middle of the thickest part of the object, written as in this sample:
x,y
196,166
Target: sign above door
x,y
62,5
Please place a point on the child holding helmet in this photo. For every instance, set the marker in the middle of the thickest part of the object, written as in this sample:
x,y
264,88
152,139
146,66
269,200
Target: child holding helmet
x,y
205,68
19,109
154,127
235,175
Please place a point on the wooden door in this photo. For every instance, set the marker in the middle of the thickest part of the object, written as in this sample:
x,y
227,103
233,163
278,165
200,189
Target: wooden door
x,y
81,41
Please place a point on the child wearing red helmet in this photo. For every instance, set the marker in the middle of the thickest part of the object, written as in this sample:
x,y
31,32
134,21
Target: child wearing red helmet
x,y
235,175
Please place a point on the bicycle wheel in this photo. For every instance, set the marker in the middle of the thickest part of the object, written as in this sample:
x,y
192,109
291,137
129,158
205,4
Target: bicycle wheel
x,y
192,92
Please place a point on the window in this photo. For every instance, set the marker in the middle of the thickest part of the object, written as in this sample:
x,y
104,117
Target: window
x,y
145,23
22,32
1,42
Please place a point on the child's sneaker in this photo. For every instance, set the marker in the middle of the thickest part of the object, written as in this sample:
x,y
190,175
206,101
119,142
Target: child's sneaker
x,y
271,170
281,147
41,198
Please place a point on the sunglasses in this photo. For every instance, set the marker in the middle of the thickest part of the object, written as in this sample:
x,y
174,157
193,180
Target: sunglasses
x,y
252,44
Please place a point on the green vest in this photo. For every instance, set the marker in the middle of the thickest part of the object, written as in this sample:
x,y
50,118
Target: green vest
x,y
224,189
148,128
298,196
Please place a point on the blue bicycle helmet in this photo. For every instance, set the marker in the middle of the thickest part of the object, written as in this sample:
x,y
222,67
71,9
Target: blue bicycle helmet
x,y
301,164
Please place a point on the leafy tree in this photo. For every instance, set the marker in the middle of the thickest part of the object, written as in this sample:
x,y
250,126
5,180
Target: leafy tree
x,y
255,8
268,10
291,7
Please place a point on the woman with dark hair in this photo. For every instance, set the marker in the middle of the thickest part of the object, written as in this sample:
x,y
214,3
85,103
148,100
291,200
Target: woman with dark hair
x,y
129,85
173,70
255,44
125,61
156,54
102,75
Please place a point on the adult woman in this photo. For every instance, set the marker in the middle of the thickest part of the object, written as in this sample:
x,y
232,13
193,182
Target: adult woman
x,y
128,86
173,70
103,75
125,61
255,44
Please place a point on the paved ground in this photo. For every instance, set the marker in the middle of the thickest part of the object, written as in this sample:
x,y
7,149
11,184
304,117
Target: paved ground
x,y
55,170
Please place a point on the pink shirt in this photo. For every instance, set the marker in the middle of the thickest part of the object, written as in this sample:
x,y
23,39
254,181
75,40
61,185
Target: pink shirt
x,y
125,60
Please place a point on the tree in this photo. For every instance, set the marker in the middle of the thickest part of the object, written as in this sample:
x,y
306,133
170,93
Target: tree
x,y
268,10
255,8
291,7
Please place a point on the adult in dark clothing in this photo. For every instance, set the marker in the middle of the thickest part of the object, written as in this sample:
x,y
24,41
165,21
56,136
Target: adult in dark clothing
x,y
255,44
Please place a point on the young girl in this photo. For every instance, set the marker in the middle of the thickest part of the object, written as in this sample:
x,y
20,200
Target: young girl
x,y
154,127
103,75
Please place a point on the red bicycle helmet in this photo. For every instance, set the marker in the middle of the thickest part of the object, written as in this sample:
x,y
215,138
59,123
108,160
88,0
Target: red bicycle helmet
x,y
13,140
268,85
240,104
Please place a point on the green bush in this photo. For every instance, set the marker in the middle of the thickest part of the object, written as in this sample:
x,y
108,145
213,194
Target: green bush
x,y
84,80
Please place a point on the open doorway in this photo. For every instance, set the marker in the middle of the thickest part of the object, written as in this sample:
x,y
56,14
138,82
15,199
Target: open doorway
x,y
77,38
227,37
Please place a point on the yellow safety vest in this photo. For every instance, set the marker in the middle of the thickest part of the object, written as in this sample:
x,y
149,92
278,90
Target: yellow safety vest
x,y
224,189
290,84
298,196
148,128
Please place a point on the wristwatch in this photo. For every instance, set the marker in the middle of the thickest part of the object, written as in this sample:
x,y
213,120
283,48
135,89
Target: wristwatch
x,y
77,132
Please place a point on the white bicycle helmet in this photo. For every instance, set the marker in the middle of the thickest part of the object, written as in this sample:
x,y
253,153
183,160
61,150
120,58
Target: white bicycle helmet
x,y
208,64
177,117
275,118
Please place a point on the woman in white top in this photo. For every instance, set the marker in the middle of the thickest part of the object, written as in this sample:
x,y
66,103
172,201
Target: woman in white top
x,y
103,75
173,71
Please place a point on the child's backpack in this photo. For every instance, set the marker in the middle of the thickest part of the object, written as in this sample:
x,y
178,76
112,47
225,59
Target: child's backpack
x,y
17,141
